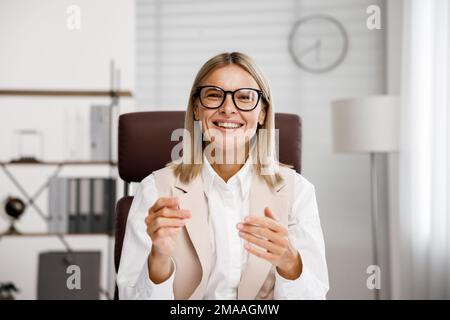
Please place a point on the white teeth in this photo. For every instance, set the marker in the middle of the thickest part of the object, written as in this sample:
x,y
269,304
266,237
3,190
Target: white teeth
x,y
229,125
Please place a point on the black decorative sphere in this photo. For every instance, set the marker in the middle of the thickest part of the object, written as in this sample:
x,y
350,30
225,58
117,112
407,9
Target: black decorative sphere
x,y
14,207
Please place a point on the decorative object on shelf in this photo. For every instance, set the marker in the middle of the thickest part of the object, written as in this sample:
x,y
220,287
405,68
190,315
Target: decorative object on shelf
x,y
318,43
7,291
14,208
30,146
368,125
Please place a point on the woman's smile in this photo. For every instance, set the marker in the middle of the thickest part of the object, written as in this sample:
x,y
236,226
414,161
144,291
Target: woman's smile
x,y
227,125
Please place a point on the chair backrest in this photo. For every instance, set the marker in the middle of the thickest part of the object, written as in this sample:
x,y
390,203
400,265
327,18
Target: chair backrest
x,y
145,146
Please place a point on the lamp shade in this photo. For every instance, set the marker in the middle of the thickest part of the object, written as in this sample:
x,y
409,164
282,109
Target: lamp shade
x,y
368,124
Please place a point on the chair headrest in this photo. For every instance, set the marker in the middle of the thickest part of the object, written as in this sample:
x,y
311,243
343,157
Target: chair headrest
x,y
145,141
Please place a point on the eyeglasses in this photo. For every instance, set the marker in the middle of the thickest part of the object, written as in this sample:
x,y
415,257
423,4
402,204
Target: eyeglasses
x,y
212,97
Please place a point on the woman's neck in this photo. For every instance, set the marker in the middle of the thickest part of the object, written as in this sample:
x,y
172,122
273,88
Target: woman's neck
x,y
226,171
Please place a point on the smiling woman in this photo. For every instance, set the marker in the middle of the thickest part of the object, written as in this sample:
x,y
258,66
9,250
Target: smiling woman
x,y
225,229
228,91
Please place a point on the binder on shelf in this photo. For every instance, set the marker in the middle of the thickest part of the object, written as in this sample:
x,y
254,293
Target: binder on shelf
x,y
73,205
84,205
62,213
91,205
57,205
81,205
100,216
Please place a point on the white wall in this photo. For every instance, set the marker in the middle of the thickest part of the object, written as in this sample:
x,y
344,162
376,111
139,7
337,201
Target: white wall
x,y
38,51
174,38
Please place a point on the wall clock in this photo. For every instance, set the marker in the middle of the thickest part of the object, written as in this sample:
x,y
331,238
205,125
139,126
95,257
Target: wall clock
x,y
318,43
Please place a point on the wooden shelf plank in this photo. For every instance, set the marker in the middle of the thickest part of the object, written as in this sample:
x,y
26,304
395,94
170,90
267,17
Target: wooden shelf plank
x,y
53,163
65,93
44,234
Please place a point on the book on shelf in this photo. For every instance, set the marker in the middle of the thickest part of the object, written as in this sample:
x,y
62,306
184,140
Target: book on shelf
x,y
100,132
81,205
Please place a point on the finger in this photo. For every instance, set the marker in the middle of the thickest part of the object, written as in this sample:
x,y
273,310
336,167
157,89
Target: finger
x,y
160,203
173,213
162,222
165,232
264,244
260,253
269,214
267,223
164,202
262,232
168,213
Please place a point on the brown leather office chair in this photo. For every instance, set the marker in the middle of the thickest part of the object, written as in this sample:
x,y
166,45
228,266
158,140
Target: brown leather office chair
x,y
145,146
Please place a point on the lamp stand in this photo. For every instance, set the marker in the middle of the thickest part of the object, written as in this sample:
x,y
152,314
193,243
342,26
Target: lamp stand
x,y
374,214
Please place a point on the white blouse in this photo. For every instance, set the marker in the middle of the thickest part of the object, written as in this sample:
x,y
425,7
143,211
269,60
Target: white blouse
x,y
228,204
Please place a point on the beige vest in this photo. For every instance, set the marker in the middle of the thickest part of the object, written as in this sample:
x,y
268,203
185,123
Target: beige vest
x,y
193,252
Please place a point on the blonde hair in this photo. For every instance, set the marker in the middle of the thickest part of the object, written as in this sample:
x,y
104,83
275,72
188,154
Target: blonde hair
x,y
188,169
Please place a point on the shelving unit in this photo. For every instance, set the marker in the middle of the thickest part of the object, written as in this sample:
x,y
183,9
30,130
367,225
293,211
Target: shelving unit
x,y
62,237
64,93
62,163
46,234
114,94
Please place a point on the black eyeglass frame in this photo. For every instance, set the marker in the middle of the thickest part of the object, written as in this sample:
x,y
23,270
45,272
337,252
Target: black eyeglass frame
x,y
226,92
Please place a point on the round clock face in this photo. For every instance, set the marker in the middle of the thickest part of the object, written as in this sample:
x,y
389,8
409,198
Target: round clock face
x,y
318,43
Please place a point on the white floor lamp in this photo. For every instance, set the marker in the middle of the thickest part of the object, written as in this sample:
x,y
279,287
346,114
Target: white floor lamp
x,y
367,125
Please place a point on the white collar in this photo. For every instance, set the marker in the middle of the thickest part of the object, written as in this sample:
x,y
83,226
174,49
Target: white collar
x,y
243,177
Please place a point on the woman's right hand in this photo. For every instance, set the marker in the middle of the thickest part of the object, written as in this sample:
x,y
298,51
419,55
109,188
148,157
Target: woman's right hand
x,y
164,221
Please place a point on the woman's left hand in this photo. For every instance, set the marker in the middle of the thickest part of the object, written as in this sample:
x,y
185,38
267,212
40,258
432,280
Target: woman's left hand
x,y
268,239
